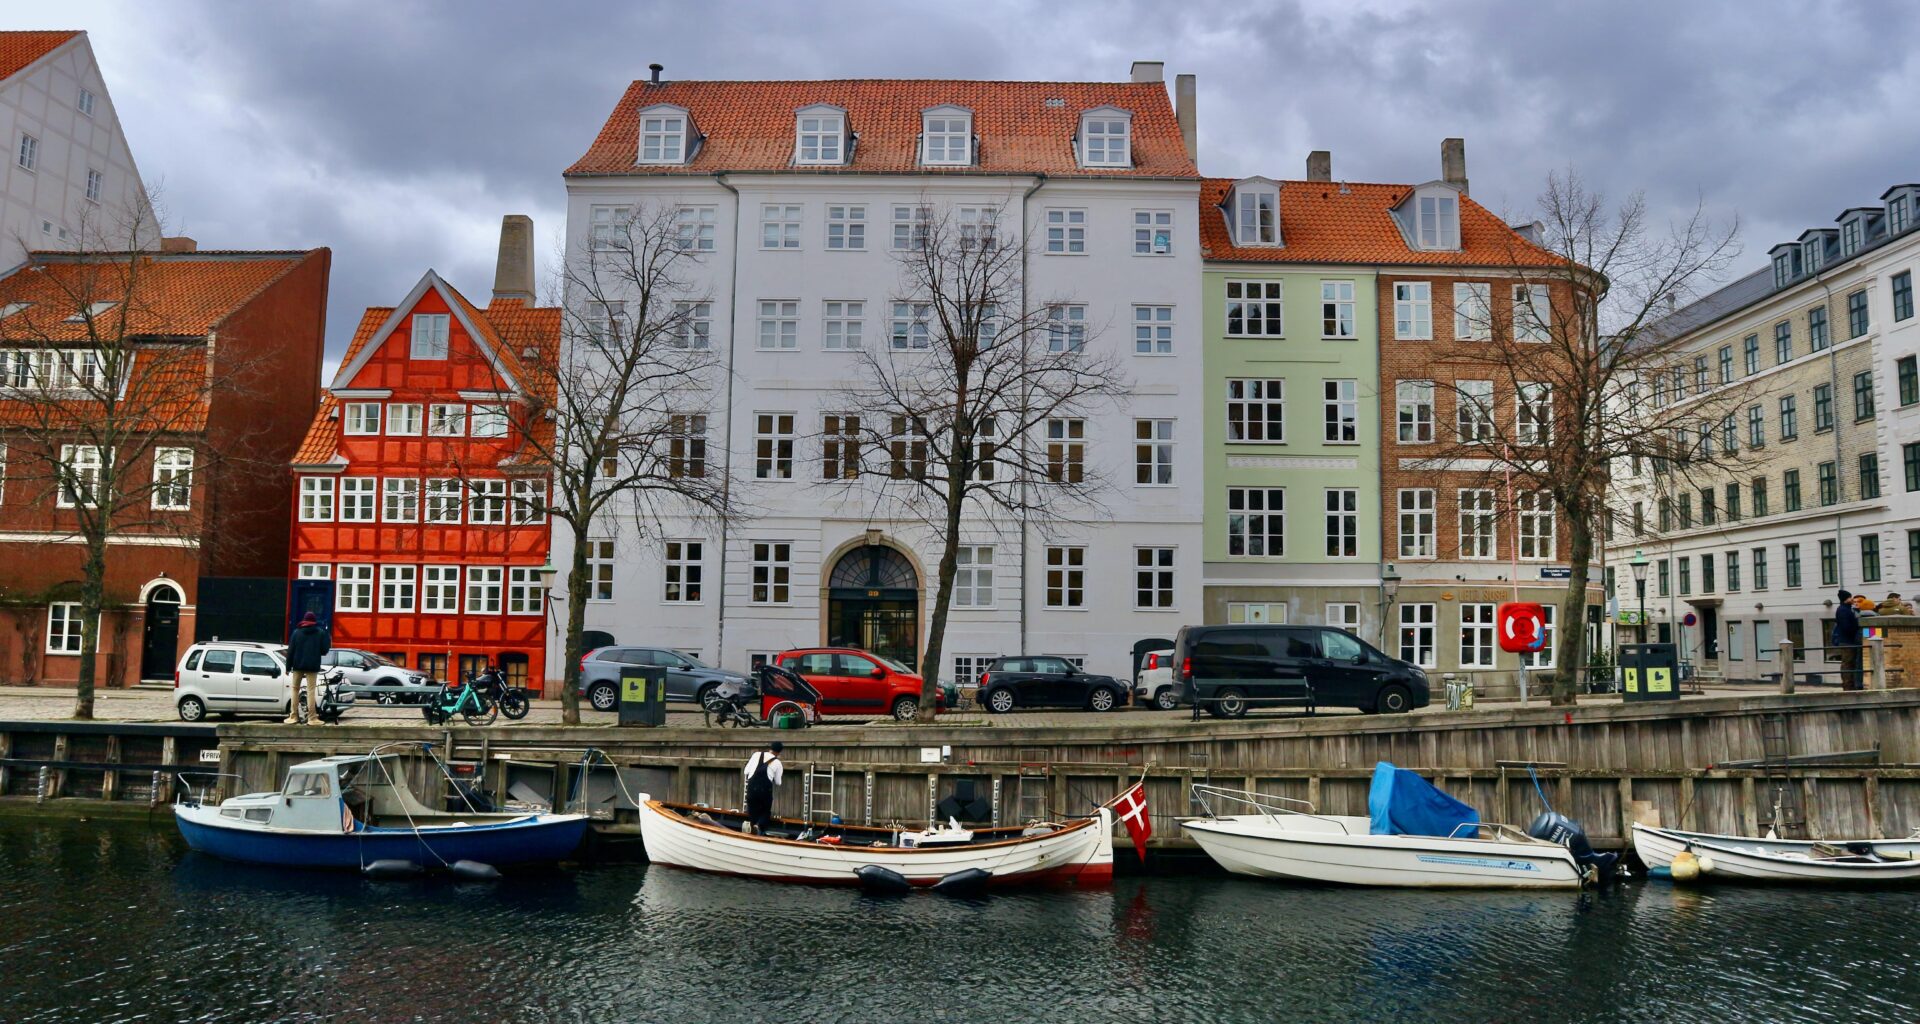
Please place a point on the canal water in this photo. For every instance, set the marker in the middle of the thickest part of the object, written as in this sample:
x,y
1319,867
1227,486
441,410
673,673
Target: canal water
x,y
115,921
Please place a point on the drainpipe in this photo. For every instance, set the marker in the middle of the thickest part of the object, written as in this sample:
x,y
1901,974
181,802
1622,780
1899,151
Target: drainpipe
x,y
1025,496
1839,471
726,455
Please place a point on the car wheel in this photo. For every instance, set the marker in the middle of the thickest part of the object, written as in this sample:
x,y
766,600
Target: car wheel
x,y
1000,701
1393,700
704,696
1102,699
192,709
1230,703
603,697
1165,699
906,709
388,699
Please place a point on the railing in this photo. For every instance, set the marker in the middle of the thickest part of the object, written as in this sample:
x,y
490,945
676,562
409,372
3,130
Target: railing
x,y
1869,671
1268,806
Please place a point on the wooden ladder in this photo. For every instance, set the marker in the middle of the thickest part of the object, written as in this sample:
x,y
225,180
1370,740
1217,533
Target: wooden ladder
x,y
1784,812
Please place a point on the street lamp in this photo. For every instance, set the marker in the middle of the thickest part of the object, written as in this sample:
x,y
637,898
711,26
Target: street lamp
x,y
1389,589
1639,565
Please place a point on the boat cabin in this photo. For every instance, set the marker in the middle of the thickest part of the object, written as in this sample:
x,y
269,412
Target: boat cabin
x,y
344,793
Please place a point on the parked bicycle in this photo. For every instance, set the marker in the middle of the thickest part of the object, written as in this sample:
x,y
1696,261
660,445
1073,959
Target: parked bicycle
x,y
462,698
512,700
334,699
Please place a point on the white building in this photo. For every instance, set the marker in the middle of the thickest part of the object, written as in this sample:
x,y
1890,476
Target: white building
x,y
794,193
68,173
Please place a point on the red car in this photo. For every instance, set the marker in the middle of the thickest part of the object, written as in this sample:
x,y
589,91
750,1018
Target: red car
x,y
853,682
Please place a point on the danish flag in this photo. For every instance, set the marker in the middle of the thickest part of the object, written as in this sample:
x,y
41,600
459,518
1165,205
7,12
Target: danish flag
x,y
1131,806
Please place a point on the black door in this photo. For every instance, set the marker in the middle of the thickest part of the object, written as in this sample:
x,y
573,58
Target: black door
x,y
161,644
1710,632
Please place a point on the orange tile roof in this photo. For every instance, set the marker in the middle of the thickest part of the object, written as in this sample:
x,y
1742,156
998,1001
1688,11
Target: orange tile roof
x,y
749,126
19,49
1321,223
323,436
160,295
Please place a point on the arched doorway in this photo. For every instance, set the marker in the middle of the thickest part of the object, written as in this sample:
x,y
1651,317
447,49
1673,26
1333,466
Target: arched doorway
x,y
161,643
873,603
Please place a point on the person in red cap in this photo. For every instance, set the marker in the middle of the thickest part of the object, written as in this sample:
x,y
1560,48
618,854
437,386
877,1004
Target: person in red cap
x,y
305,648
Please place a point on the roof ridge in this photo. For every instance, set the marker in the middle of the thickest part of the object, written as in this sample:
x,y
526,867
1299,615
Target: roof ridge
x,y
292,265
959,81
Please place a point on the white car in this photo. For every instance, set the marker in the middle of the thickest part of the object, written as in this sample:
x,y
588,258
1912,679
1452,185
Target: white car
x,y
366,674
1155,686
231,677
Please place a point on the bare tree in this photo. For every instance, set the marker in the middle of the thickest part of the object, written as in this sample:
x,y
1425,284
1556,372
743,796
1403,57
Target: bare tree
x,y
1575,352
974,405
619,417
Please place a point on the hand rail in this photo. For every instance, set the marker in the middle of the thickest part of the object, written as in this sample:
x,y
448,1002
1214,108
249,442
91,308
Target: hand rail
x,y
193,795
1266,804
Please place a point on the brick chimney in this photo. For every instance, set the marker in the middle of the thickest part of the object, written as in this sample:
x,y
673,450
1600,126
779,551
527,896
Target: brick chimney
x,y
513,270
1183,112
1149,71
1453,162
1320,165
179,243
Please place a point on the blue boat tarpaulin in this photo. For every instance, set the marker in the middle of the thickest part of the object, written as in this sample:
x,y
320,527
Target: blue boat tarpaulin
x,y
1402,803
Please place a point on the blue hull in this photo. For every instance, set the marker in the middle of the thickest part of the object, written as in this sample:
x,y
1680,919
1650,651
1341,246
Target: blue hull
x,y
518,842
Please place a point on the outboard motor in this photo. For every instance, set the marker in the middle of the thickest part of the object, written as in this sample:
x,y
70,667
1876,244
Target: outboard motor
x,y
1555,827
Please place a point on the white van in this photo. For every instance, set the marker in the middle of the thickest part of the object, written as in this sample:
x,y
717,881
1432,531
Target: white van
x,y
231,677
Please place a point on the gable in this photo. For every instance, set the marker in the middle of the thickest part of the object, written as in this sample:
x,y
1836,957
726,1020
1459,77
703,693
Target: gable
x,y
474,358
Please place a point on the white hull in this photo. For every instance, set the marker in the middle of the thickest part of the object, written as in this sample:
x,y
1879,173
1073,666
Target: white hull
x,y
1081,852
1340,850
1744,859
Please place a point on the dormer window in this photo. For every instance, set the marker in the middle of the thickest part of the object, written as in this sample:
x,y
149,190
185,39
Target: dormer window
x,y
1815,255
1256,212
90,310
663,136
1105,138
1437,221
1899,215
1850,236
946,137
820,135
1786,264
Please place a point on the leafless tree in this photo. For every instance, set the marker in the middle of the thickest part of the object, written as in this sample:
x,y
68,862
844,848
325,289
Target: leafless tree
x,y
974,404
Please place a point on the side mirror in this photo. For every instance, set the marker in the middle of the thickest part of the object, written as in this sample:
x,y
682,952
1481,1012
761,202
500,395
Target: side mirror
x,y
879,673
1360,659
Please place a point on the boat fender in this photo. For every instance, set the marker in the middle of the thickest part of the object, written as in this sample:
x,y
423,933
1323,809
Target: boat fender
x,y
474,871
970,882
1685,866
1706,863
392,869
882,881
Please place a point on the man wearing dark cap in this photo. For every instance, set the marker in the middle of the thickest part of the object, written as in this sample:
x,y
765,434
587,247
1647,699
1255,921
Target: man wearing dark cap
x,y
1846,637
305,648
763,774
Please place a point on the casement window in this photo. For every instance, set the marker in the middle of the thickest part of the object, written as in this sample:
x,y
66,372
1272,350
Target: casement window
x,y
1343,522
772,571
1066,232
29,151
1257,521
1476,635
1066,577
693,325
1533,407
84,102
1473,411
978,225
1782,342
1822,408
358,499
839,446
1666,513
1343,615
1153,330
1066,451
172,479
361,418
1829,477
353,590
910,226
313,571
1756,427
687,445
1066,328
842,326
1789,418
910,326
1104,140
1257,411
1790,490
1869,558
1733,508
779,226
1152,453
1543,658
779,324
1679,384
1814,255
1759,568
1413,311
1664,585
1750,354
607,325
1863,395
1340,412
429,338
95,183
1416,634
64,627
316,499
529,502
446,420
1733,571
1910,464
398,586
970,667
599,570
973,576
907,448
484,585
1472,311
1416,523
1856,313
1256,218
1907,371
985,448
1153,577
1902,287
1256,612
487,502
1792,559
820,138
401,500
1438,222
607,227
946,138
443,501
1829,570
685,564
403,419
1817,328
488,420
1533,313
1413,400
846,228
1479,525
1536,525
663,138
1336,309
1255,309
773,446
694,228
1726,364
439,589
1153,232
1758,489
1913,554
525,592
1850,237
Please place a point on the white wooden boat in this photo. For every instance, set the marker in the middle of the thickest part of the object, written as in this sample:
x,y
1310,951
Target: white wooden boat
x,y
1280,840
1078,852
1722,858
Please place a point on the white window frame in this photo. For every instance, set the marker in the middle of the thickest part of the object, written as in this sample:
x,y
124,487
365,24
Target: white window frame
x,y
846,227
1154,582
1256,613
313,571
443,501
360,419
694,227
1153,452
910,326
819,137
429,336
1066,577
1477,646
606,227
404,419
399,589
946,137
1256,215
600,568
1472,311
1256,518
1537,526
1473,412
1533,412
1543,658
1067,327
1418,632
1338,308
83,102
353,587
1339,409
447,419
65,628
486,502
1413,310
778,327
1066,231
772,567
172,479
1256,405
843,325
486,590
1532,313
773,442
973,576
359,499
487,419
1418,513
780,226
1100,144
910,226
1342,615
525,593
694,327
1153,232
96,183
664,131
1437,221
440,590
1413,411
1479,524
1152,330
1265,299
399,500
316,499
683,571
29,157
1066,450
528,498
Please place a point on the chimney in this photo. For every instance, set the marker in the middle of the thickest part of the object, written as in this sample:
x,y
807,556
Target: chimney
x,y
1149,71
1319,165
655,69
179,243
1453,162
1183,112
513,271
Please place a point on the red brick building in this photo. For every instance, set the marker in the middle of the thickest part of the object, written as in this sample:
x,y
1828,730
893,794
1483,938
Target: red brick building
x,y
224,351
413,490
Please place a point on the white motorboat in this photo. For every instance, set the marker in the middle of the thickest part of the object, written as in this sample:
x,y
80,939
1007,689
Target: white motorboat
x,y
1287,839
710,839
1793,861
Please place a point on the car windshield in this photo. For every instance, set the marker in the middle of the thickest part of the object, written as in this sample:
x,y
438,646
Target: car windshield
x,y
890,663
691,660
376,660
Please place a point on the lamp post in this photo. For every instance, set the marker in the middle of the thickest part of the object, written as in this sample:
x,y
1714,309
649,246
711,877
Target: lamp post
x,y
545,573
1639,565
1389,589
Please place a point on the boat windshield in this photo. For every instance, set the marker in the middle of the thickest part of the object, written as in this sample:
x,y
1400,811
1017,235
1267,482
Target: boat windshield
x,y
308,784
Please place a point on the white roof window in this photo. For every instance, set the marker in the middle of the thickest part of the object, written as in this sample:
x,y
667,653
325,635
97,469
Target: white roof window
x,y
1253,210
820,135
946,137
664,135
1106,138
1432,217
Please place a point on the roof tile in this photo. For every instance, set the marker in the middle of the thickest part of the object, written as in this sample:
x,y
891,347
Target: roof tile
x,y
19,49
1350,222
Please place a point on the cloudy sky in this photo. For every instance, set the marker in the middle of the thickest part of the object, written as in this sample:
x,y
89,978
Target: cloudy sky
x,y
398,132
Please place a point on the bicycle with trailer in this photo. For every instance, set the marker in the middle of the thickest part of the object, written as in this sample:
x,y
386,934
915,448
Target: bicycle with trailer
x,y
784,699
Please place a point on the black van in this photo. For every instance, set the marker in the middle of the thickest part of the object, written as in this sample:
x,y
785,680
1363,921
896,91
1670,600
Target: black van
x,y
1228,669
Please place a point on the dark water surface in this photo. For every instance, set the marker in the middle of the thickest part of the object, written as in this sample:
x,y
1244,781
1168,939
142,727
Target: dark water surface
x,y
116,921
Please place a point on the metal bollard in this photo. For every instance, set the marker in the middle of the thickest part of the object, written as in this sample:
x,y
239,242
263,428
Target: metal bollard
x,y
40,794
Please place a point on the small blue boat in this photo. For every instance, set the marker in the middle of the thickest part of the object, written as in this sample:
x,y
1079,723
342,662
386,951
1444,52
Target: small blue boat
x,y
352,811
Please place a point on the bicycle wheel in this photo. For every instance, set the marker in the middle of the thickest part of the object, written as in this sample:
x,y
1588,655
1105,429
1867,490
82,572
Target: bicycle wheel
x,y
480,712
515,706
787,707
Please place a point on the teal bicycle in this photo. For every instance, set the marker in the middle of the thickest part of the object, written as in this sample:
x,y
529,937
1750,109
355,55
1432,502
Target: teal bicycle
x,y
463,699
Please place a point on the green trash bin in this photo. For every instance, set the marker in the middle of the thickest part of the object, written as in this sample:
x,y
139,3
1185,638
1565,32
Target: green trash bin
x,y
1649,672
643,695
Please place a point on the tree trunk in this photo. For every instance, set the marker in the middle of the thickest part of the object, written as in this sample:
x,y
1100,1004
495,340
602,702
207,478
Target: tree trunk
x,y
92,587
942,599
577,581
1571,655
